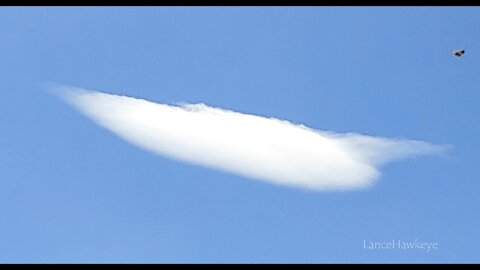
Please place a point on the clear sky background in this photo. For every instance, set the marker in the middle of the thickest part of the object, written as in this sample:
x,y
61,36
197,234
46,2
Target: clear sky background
x,y
71,191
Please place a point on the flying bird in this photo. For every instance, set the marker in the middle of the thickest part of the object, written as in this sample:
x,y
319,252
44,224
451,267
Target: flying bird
x,y
458,53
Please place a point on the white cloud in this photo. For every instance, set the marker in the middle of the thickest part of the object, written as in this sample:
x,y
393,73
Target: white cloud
x,y
257,147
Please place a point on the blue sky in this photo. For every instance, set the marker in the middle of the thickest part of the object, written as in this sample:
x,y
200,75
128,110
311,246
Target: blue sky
x,y
71,191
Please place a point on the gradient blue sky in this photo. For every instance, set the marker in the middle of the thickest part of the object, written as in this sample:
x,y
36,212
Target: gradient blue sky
x,y
71,191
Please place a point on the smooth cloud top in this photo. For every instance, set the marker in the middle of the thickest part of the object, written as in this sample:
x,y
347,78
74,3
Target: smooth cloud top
x,y
252,146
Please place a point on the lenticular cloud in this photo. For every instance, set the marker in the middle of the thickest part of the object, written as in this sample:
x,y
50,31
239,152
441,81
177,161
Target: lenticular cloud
x,y
253,146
